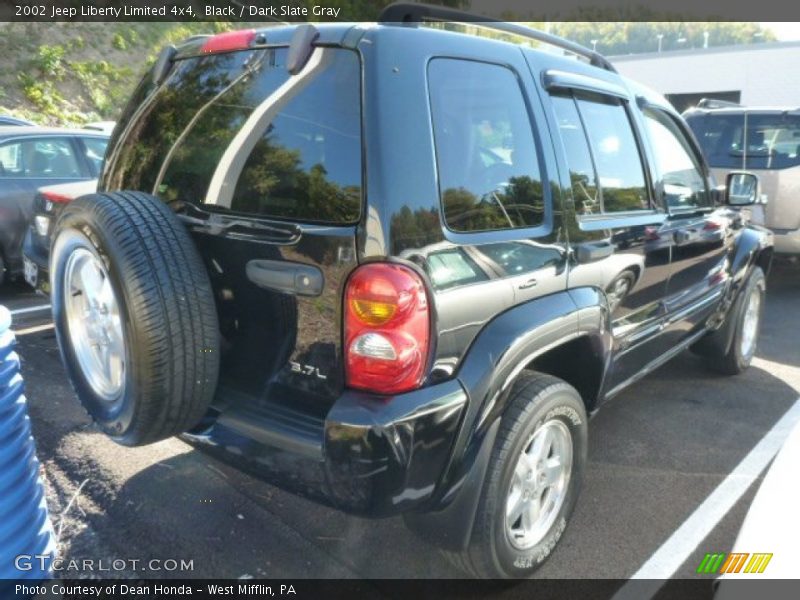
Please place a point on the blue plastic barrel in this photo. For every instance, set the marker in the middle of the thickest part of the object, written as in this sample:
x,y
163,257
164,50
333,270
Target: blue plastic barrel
x,y
27,542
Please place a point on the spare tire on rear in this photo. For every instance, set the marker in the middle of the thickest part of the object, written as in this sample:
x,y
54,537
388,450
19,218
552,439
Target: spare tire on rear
x,y
134,315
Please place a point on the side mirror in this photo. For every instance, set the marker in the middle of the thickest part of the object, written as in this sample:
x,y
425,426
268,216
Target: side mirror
x,y
742,189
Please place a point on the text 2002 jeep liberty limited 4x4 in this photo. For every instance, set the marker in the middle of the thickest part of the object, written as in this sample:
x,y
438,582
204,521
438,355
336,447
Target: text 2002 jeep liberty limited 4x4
x,y
395,267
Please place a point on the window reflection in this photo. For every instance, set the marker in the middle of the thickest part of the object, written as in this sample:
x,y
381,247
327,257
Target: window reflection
x,y
486,155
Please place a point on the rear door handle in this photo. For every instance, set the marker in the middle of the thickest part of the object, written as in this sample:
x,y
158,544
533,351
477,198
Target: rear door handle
x,y
286,277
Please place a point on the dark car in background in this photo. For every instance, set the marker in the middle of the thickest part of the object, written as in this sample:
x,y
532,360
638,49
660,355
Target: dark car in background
x,y
47,206
30,158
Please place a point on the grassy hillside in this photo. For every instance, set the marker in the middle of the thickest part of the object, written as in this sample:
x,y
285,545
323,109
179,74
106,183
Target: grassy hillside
x,y
71,73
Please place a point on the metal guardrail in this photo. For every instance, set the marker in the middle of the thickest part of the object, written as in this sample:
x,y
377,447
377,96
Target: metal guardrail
x,y
25,528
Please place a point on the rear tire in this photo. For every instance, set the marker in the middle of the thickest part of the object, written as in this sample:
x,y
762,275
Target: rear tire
x,y
134,316
541,407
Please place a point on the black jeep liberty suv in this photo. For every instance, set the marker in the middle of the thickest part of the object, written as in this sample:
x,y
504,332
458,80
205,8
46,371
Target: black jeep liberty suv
x,y
394,267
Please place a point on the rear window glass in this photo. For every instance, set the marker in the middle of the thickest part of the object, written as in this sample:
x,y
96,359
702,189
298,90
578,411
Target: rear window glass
x,y
301,161
749,141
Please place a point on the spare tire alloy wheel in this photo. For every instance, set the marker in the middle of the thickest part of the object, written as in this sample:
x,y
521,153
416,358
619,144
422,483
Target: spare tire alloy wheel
x,y
135,317
93,320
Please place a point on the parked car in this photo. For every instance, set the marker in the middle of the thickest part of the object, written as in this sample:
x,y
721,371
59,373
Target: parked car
x,y
764,141
6,120
244,277
47,205
32,157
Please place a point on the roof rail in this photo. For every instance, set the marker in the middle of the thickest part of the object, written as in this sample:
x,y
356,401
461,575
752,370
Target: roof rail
x,y
402,12
714,103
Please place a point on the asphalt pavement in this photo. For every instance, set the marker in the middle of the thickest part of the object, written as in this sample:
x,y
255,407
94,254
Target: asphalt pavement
x,y
656,453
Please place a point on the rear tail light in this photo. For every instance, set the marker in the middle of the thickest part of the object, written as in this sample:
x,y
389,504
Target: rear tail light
x,y
56,197
386,329
229,41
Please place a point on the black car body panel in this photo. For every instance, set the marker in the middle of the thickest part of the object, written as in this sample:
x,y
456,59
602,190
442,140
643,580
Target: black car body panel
x,y
547,229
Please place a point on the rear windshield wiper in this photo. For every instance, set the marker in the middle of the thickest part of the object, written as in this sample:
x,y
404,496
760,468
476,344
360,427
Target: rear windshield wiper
x,y
217,224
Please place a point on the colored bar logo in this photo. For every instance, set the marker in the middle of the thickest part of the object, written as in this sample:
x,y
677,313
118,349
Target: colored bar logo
x,y
735,562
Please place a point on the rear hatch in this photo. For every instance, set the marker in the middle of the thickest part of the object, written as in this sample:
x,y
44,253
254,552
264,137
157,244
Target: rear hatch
x,y
766,143
265,168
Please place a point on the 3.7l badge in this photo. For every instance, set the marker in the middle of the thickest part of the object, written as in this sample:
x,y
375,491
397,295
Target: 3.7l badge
x,y
310,370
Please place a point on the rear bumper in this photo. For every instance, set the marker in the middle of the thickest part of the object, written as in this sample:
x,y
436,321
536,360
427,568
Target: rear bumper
x,y
370,455
787,241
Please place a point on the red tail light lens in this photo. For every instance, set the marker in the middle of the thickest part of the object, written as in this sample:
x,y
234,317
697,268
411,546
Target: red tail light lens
x,y
56,197
229,41
386,329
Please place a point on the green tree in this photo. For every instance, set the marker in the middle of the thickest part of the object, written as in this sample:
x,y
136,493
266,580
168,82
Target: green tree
x,y
616,37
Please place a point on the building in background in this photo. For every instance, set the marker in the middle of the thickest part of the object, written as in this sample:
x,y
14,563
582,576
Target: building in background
x,y
755,74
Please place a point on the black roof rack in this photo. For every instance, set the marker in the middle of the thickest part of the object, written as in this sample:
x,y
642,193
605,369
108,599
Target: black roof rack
x,y
714,103
402,12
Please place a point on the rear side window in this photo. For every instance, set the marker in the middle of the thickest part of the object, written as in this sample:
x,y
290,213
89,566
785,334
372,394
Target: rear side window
x,y
452,267
749,141
306,162
603,156
489,175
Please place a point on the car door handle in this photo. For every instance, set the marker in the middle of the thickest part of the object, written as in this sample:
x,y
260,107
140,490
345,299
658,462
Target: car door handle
x,y
528,284
286,277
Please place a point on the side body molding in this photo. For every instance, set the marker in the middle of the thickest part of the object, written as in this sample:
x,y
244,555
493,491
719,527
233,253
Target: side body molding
x,y
503,348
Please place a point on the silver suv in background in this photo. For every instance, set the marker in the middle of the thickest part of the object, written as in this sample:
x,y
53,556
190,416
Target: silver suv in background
x,y
764,141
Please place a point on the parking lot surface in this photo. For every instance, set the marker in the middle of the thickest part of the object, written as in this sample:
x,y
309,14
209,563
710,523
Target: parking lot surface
x,y
656,453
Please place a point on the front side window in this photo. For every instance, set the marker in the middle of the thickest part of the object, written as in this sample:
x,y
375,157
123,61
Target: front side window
x,y
39,158
682,178
489,174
